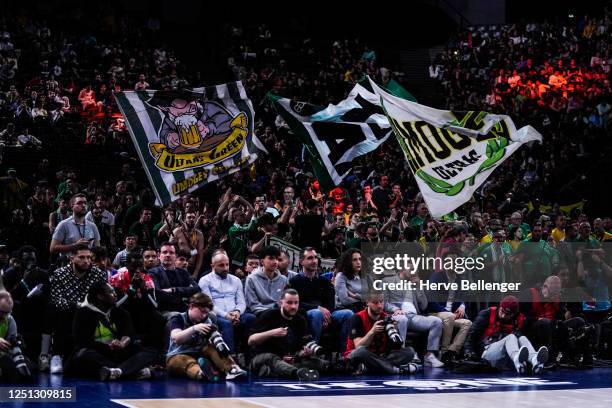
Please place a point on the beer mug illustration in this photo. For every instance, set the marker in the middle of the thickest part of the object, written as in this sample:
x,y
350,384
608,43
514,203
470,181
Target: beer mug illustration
x,y
190,137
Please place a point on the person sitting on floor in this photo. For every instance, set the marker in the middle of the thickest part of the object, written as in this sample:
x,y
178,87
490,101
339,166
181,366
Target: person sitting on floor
x,y
103,338
197,350
496,338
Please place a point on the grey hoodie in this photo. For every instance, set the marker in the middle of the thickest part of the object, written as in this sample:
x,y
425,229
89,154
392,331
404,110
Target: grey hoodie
x,y
262,293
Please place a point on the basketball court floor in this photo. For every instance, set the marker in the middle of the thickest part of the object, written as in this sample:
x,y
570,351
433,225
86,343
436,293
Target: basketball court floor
x,y
433,388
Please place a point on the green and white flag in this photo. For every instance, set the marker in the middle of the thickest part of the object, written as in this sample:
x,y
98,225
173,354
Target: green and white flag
x,y
451,153
335,135
186,139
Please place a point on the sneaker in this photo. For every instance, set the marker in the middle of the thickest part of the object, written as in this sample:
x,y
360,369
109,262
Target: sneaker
x,y
43,363
56,366
520,358
109,374
449,357
304,374
361,369
410,368
264,371
538,360
208,372
432,361
235,372
144,374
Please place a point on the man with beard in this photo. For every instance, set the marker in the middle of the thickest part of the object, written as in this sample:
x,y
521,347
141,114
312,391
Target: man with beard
x,y
172,284
104,340
227,294
279,342
75,230
317,299
69,286
190,239
370,348
496,337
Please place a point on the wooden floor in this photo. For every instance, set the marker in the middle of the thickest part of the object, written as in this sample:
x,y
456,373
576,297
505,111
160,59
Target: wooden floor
x,y
588,398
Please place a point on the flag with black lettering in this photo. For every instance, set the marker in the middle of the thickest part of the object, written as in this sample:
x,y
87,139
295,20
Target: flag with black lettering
x,y
186,139
451,153
334,136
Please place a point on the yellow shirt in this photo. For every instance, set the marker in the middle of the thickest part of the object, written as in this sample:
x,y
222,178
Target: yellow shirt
x,y
486,239
514,244
557,234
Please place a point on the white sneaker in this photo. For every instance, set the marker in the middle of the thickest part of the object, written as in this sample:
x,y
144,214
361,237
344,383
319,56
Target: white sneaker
x,y
43,363
520,358
144,374
56,365
235,372
109,374
538,360
432,361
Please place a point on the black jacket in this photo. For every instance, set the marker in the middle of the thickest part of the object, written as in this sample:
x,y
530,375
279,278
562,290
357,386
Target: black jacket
x,y
314,292
179,279
87,318
474,343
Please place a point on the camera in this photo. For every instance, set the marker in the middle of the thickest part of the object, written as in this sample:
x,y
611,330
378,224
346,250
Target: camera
x,y
392,333
216,340
16,354
313,346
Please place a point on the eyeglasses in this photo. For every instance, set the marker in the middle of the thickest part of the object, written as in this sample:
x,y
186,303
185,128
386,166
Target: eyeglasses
x,y
202,308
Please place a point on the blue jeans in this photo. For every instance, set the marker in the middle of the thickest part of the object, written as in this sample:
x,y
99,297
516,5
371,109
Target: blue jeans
x,y
227,329
340,318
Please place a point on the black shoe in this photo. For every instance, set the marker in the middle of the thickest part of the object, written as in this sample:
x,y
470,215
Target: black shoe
x,y
587,360
449,357
304,374
104,373
410,368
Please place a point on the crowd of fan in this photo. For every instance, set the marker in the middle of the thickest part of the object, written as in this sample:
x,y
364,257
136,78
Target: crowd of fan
x,y
99,278
555,76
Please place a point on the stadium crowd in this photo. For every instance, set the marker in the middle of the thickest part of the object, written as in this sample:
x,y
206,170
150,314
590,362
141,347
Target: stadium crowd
x,y
99,282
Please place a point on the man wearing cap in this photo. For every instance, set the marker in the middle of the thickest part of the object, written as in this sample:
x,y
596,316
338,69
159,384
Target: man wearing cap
x,y
496,337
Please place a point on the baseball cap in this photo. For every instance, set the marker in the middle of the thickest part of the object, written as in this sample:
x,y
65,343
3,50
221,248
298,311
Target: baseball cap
x,y
509,304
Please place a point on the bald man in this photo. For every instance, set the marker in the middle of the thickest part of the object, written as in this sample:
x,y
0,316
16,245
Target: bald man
x,y
546,323
227,294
